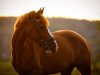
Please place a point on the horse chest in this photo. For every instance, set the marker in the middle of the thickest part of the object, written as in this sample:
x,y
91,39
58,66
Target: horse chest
x,y
55,62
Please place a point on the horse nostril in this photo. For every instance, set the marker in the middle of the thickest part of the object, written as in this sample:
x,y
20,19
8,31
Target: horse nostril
x,y
53,45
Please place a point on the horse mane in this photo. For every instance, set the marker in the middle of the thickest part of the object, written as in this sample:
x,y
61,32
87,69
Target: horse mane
x,y
21,20
19,33
24,19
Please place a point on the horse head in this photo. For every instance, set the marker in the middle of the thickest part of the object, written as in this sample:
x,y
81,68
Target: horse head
x,y
39,32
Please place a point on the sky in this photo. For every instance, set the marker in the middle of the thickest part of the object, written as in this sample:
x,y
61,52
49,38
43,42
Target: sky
x,y
80,9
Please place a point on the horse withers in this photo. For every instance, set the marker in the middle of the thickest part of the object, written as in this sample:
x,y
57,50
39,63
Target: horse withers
x,y
37,51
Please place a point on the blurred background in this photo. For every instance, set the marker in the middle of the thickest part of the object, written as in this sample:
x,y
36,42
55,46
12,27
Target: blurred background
x,y
82,16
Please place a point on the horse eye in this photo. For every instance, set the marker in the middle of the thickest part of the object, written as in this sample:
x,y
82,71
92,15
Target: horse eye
x,y
37,20
42,26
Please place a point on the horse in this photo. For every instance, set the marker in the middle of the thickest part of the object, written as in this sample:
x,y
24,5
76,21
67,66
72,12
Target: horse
x,y
37,51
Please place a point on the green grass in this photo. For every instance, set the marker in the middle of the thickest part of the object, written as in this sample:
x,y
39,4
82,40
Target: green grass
x,y
7,69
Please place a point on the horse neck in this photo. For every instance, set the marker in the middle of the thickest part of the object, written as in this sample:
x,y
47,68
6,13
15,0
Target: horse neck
x,y
36,52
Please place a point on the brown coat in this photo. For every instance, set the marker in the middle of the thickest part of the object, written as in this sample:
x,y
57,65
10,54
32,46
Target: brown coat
x,y
29,58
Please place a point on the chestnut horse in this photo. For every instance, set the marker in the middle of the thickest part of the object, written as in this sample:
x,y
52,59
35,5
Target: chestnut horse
x,y
37,51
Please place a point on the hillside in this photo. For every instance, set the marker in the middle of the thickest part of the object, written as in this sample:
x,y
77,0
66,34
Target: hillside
x,y
6,30
88,29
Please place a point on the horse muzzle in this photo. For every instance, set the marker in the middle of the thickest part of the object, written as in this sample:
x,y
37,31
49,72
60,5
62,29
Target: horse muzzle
x,y
52,45
49,45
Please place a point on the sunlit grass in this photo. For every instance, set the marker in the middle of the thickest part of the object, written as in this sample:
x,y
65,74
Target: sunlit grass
x,y
7,69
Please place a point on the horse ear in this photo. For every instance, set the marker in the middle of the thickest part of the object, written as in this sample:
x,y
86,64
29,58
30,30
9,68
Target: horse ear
x,y
40,11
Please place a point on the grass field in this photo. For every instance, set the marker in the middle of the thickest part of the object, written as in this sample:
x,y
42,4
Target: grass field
x,y
7,69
